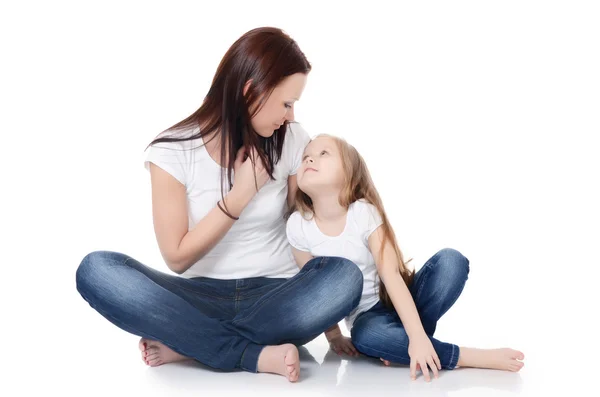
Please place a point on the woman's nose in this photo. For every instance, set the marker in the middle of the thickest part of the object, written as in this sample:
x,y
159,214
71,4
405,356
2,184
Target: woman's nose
x,y
289,115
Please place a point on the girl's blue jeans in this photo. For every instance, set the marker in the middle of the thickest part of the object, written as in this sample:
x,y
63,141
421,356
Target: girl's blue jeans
x,y
379,333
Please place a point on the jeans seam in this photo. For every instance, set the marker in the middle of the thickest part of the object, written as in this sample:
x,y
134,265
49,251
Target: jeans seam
x,y
161,276
423,282
253,312
300,276
450,364
360,345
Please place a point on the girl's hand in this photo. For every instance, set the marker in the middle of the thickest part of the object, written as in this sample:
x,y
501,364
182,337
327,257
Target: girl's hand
x,y
344,344
245,170
422,353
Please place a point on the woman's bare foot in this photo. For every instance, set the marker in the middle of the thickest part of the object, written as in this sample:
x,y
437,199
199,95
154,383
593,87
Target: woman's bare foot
x,y
283,360
155,353
503,359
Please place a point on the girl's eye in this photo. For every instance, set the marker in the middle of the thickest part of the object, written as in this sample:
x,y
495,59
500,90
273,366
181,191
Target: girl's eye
x,y
287,105
323,152
304,157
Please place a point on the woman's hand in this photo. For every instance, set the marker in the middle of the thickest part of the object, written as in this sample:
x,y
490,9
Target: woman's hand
x,y
245,167
423,354
341,343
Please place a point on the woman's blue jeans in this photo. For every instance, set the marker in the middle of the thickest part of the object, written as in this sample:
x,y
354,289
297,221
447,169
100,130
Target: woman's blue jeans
x,y
379,333
221,323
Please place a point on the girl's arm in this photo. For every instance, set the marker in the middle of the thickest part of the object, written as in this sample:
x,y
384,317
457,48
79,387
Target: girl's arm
x,y
387,267
420,349
301,257
292,188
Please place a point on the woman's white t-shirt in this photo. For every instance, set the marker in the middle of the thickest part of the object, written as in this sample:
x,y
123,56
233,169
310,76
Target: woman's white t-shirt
x,y
362,219
256,245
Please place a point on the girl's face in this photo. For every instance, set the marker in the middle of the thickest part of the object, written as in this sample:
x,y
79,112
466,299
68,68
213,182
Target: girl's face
x,y
279,107
321,170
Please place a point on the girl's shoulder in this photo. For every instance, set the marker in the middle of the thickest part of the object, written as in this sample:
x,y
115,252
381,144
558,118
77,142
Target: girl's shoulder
x,y
297,217
361,205
365,212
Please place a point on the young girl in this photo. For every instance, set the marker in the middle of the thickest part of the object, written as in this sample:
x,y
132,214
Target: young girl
x,y
340,214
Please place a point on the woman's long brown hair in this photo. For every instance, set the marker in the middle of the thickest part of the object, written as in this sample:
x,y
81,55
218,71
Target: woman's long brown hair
x,y
359,185
265,56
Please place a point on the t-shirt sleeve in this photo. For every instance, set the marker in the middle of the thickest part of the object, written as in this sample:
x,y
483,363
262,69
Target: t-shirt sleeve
x,y
298,139
370,219
295,234
170,156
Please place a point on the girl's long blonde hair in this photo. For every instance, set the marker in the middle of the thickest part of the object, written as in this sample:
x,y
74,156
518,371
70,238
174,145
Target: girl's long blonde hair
x,y
359,185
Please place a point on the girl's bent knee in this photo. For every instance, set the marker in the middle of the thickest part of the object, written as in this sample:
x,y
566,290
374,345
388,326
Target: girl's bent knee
x,y
452,260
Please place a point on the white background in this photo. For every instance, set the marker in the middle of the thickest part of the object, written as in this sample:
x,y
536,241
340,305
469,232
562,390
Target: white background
x,y
478,119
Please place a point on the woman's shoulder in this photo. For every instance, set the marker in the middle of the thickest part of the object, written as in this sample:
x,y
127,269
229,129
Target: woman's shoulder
x,y
183,139
176,157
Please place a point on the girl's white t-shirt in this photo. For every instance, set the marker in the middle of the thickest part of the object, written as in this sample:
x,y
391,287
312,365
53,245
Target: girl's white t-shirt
x,y
362,219
256,245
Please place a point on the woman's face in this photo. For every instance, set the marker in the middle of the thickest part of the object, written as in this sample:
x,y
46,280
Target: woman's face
x,y
279,107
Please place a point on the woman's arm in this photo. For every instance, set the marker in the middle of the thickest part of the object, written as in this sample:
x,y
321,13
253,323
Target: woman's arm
x,y
179,247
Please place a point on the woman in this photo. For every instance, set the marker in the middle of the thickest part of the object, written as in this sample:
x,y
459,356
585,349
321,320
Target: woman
x,y
222,180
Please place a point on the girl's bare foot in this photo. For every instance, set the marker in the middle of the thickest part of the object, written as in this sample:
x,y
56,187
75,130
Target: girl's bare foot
x,y
283,360
155,353
503,359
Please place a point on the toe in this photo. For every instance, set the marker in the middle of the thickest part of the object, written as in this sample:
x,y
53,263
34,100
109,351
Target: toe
x,y
516,366
152,350
520,364
153,356
517,355
143,343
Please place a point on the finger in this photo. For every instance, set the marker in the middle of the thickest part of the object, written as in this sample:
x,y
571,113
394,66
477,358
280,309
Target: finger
x,y
253,154
258,163
425,371
437,361
433,367
413,369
